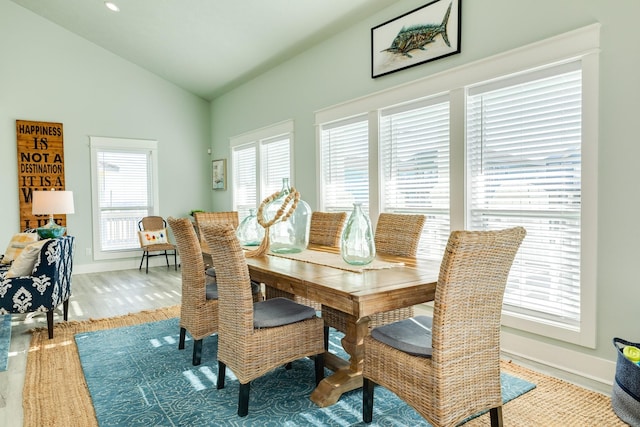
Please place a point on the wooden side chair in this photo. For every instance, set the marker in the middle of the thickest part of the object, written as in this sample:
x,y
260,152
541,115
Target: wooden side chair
x,y
396,234
255,338
199,305
447,366
154,240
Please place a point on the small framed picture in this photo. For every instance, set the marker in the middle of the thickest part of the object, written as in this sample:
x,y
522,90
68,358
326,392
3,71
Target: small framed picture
x,y
422,35
219,174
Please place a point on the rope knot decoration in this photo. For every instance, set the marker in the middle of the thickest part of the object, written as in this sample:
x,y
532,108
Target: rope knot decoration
x,y
282,214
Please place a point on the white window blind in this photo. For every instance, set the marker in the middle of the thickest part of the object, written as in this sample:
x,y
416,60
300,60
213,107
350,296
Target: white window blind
x,y
244,178
125,190
276,164
414,162
524,168
344,154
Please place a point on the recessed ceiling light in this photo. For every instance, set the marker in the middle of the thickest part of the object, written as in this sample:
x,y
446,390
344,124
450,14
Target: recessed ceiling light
x,y
112,6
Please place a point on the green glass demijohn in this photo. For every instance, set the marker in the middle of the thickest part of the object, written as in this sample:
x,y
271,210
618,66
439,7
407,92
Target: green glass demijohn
x,y
357,245
292,235
249,232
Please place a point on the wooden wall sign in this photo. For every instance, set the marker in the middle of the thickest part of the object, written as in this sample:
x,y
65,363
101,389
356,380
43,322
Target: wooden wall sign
x,y
40,167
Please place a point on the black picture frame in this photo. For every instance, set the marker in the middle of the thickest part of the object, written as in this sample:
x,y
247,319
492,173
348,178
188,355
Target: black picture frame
x,y
417,37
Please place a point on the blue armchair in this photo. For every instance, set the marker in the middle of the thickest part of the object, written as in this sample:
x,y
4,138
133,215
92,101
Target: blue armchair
x,y
48,286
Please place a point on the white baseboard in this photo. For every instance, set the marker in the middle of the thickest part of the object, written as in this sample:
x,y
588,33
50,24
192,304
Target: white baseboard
x,y
120,264
582,369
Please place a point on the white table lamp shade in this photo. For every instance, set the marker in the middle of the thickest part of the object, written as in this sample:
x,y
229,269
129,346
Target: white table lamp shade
x,y
52,202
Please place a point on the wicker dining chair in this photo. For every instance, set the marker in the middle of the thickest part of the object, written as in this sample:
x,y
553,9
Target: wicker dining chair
x,y
202,218
255,338
152,229
199,305
326,228
447,367
396,234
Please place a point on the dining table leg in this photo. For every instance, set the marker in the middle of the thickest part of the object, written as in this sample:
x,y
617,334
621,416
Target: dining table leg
x,y
347,375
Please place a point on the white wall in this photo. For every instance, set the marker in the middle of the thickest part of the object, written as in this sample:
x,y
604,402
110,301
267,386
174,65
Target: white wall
x,y
49,74
338,70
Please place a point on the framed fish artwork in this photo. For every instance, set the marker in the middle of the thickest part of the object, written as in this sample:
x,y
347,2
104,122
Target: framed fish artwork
x,y
424,34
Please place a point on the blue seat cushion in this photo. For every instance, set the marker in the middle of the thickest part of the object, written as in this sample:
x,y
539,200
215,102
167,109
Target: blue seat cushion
x,y
212,288
280,311
411,335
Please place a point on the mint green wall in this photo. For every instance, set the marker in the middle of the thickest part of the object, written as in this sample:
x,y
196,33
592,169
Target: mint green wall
x,y
49,74
338,70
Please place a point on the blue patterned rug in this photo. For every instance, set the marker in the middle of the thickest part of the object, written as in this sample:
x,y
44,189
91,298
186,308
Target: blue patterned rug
x,y
137,377
5,341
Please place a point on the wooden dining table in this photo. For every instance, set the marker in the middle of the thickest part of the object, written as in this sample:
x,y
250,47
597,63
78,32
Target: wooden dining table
x,y
402,282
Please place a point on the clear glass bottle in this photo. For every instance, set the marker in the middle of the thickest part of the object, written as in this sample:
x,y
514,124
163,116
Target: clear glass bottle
x,y
249,232
357,245
292,235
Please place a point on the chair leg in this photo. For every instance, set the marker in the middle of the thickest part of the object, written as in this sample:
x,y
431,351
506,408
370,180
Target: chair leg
x,y
243,399
166,257
221,373
175,259
147,264
141,260
496,416
326,338
319,364
183,335
50,323
367,400
65,310
197,352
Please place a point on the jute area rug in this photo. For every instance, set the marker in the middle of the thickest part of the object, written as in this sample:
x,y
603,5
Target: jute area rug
x,y
55,392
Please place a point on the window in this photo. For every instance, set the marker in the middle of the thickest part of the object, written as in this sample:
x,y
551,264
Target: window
x,y
509,140
344,154
414,167
524,143
124,190
260,159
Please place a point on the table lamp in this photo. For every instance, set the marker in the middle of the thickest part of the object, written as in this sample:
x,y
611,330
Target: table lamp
x,y
50,203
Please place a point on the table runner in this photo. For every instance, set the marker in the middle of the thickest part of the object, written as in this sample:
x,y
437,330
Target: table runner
x,y
335,261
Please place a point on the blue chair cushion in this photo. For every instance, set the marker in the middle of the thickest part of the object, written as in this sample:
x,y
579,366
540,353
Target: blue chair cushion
x,y
280,311
212,288
411,335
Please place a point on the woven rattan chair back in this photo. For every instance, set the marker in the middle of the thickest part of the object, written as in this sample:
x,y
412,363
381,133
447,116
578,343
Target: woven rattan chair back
x,y
198,315
398,234
247,351
326,228
154,223
203,218
463,376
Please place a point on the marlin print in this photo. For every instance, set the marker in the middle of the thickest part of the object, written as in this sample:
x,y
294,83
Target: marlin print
x,y
417,36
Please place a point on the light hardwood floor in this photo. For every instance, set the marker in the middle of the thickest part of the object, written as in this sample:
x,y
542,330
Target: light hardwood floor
x,y
94,295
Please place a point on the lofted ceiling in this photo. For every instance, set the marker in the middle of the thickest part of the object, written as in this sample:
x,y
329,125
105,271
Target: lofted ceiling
x,y
205,46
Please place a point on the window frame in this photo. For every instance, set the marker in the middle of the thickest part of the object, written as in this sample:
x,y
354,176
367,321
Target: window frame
x,y
259,139
126,145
